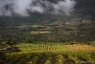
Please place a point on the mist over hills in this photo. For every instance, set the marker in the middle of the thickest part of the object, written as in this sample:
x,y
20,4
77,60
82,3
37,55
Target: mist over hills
x,y
81,7
24,8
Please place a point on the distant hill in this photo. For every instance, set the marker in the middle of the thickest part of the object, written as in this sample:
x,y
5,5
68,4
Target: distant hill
x,y
83,7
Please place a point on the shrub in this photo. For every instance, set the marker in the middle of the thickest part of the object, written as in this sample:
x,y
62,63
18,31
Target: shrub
x,y
93,43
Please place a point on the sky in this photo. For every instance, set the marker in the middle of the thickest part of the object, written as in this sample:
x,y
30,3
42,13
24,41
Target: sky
x,y
23,7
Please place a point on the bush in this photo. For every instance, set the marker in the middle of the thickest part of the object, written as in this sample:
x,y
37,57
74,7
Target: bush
x,y
93,43
11,42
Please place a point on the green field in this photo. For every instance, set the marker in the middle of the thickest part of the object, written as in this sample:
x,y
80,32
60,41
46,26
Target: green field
x,y
51,53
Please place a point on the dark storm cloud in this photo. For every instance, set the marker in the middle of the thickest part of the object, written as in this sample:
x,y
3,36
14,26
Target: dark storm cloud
x,y
21,7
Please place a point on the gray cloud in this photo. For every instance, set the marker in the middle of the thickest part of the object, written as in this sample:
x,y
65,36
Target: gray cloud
x,y
21,7
65,7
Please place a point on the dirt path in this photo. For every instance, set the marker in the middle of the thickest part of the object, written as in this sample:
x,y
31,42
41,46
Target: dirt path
x,y
68,61
53,59
41,59
18,61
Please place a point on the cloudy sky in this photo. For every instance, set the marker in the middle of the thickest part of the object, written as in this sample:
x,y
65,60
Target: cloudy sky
x,y
21,7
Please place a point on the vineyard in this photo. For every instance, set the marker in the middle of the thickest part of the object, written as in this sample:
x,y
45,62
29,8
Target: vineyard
x,y
50,54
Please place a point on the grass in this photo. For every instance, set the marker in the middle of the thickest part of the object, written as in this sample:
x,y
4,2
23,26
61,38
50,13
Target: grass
x,y
41,48
57,53
81,47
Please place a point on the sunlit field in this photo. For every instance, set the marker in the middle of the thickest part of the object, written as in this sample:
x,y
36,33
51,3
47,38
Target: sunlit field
x,y
51,53
81,47
41,48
